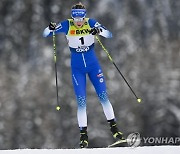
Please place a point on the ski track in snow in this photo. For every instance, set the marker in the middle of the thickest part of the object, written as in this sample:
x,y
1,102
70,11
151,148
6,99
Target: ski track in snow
x,y
118,150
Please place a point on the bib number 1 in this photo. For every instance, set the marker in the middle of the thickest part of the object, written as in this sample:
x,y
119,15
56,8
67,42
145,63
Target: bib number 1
x,y
82,40
82,48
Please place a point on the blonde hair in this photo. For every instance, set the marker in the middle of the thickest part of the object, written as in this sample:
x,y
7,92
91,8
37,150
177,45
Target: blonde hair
x,y
78,6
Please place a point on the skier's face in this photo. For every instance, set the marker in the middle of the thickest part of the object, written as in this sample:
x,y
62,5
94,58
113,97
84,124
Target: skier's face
x,y
79,22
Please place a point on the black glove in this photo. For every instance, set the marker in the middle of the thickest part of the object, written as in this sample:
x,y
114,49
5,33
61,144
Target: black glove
x,y
52,26
95,31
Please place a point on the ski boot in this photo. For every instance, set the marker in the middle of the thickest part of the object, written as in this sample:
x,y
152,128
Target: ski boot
x,y
83,138
114,130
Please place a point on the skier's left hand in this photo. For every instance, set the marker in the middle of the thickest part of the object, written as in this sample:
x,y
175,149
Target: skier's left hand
x,y
52,26
95,31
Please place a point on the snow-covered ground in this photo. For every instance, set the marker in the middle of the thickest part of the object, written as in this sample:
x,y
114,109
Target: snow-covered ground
x,y
125,150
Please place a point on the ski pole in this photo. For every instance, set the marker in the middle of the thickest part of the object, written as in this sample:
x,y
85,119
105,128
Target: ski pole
x,y
110,58
54,47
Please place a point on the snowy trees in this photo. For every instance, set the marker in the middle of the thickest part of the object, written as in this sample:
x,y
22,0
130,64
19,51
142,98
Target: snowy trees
x,y
145,45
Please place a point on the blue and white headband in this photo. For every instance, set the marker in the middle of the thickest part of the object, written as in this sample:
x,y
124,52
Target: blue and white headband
x,y
78,13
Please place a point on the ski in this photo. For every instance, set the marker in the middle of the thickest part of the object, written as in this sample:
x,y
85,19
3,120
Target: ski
x,y
117,143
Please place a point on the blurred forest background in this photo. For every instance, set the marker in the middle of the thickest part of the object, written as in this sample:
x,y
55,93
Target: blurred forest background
x,y
145,46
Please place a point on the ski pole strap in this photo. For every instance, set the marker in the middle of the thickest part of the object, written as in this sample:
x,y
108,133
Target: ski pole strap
x,y
109,56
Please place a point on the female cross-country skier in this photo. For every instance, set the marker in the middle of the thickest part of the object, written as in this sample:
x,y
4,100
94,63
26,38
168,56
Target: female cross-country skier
x,y
80,32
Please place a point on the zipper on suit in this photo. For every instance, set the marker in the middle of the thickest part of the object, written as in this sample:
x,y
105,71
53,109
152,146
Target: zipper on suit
x,y
84,60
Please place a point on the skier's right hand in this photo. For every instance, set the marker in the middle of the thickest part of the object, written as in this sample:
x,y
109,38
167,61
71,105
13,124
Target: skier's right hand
x,y
52,26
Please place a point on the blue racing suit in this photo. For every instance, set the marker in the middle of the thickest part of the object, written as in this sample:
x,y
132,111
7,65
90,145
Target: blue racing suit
x,y
84,62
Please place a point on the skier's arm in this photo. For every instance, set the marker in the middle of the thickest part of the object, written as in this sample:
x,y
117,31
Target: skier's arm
x,y
99,29
59,28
